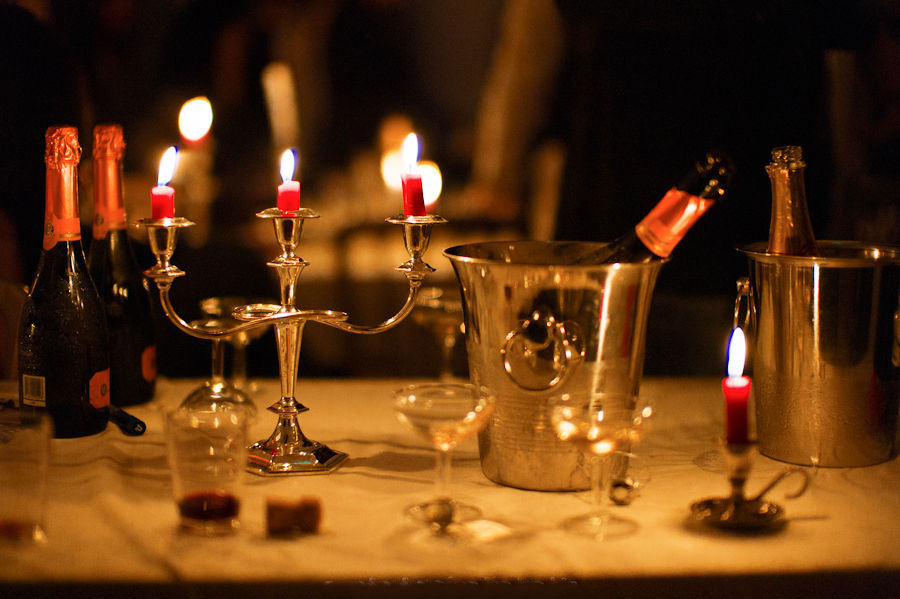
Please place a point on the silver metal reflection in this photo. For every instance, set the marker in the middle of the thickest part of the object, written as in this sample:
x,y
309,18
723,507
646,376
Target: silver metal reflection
x,y
540,324
287,450
823,333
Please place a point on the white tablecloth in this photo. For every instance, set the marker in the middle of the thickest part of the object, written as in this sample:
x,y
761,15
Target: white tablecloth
x,y
111,517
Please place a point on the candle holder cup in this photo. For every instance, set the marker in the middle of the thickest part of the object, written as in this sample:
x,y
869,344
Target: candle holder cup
x,y
737,511
287,450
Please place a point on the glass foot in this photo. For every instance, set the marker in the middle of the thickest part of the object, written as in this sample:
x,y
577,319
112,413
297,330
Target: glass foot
x,y
218,396
209,528
440,514
600,526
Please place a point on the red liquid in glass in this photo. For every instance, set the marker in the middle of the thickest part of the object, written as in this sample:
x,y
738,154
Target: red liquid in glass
x,y
209,506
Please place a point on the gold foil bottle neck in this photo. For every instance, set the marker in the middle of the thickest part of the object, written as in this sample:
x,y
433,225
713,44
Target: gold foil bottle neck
x,y
62,147
109,209
109,142
790,157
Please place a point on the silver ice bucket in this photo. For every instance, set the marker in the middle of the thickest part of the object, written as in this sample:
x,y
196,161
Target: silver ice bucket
x,y
539,325
826,356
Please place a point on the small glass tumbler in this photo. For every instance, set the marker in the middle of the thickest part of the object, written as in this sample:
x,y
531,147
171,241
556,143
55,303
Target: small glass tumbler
x,y
24,459
207,456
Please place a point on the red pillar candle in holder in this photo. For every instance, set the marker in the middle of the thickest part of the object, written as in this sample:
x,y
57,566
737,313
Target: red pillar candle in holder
x,y
162,197
736,389
289,190
413,197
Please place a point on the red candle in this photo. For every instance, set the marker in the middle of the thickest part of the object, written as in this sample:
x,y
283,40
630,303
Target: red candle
x,y
162,197
413,198
289,190
736,389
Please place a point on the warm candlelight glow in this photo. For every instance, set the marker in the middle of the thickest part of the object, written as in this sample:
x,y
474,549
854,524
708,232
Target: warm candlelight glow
x,y
195,118
736,389
167,166
288,161
391,168
737,351
432,182
410,151
288,198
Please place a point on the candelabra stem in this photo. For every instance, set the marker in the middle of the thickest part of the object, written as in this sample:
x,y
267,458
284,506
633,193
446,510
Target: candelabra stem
x,y
288,337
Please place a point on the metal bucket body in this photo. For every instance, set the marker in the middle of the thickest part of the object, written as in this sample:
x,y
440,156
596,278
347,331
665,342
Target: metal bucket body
x,y
539,325
826,363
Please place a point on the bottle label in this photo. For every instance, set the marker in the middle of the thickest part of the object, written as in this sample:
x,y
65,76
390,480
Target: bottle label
x,y
98,389
34,390
60,229
148,363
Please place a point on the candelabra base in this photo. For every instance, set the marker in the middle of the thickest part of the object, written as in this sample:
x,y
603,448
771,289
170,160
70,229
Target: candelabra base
x,y
741,514
314,458
737,511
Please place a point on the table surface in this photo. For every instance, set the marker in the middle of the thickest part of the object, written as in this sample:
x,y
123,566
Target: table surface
x,y
111,517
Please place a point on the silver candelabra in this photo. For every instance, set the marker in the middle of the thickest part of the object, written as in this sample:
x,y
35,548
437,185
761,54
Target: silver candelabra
x,y
287,450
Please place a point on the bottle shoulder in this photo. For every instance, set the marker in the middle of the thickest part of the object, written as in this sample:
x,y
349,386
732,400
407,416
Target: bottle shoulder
x,y
63,278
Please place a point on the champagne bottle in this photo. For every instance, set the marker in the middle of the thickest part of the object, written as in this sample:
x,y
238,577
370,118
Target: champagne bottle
x,y
63,343
790,231
657,234
119,282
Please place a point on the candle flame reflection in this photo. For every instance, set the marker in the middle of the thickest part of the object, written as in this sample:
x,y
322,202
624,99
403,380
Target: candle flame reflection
x,y
167,166
391,169
737,352
432,182
288,160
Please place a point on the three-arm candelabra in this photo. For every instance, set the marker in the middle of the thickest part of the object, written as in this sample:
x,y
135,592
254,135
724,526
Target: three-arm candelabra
x,y
287,450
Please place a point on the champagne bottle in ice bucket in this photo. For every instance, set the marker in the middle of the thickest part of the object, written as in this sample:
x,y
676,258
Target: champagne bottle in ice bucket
x,y
790,231
63,342
657,234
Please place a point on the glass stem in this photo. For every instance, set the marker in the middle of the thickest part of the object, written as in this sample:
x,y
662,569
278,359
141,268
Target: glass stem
x,y
599,481
447,357
239,366
442,475
218,361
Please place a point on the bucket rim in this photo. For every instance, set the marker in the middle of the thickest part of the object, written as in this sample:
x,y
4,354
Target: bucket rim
x,y
835,253
463,253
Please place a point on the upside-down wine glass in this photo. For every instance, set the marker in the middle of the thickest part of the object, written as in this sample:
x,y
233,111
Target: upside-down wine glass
x,y
445,414
440,310
604,429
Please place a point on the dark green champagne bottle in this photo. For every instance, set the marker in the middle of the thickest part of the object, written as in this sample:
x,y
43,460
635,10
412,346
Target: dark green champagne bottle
x,y
63,342
119,282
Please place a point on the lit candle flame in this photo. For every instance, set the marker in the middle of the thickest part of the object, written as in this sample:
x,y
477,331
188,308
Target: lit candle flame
x,y
410,151
167,166
288,160
195,118
737,351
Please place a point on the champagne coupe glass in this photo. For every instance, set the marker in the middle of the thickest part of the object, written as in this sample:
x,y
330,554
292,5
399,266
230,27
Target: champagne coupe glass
x,y
445,414
440,310
604,428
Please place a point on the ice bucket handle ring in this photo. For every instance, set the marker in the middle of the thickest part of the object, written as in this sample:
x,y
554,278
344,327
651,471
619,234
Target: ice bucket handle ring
x,y
541,352
743,293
